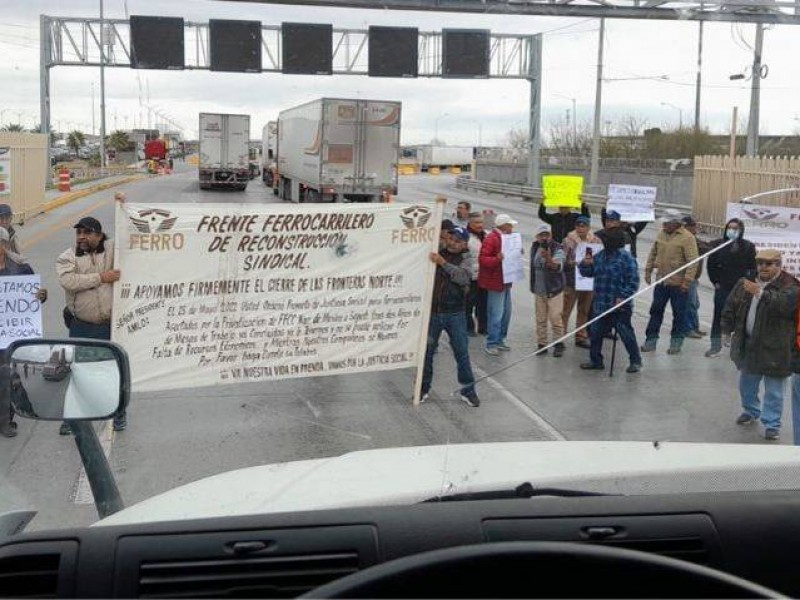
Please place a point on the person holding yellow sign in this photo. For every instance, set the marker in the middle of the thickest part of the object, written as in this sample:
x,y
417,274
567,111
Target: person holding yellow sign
x,y
564,193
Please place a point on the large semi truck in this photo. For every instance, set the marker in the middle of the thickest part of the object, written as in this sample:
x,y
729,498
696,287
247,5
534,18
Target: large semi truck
x,y
269,154
339,150
224,151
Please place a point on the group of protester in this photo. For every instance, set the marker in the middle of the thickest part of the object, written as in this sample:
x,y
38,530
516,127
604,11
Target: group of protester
x,y
86,273
756,310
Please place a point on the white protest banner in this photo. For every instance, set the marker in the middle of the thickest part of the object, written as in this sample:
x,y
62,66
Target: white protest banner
x,y
513,267
776,227
634,203
584,284
20,311
213,294
5,171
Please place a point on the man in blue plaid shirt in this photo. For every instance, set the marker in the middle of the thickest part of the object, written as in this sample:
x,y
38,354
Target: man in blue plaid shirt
x,y
616,277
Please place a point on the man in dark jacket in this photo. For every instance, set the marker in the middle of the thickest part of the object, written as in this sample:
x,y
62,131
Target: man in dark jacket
x,y
613,220
725,268
761,338
547,285
616,277
9,268
447,314
563,221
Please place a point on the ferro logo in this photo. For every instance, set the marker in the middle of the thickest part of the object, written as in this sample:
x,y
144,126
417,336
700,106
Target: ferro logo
x,y
153,226
414,219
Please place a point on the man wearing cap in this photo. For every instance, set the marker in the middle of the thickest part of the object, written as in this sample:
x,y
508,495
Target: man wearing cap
x,y
447,313
613,220
10,268
13,249
693,301
761,337
674,248
583,299
87,274
490,278
562,221
547,284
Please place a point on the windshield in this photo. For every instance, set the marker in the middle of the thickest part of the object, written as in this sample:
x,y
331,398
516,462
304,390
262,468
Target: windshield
x,y
342,230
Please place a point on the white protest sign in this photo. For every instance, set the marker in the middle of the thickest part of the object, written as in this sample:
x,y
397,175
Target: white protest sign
x,y
775,227
584,284
513,267
20,311
5,171
634,203
213,294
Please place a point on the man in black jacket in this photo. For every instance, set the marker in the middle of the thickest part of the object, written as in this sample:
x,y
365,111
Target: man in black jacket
x,y
447,314
563,221
613,220
725,268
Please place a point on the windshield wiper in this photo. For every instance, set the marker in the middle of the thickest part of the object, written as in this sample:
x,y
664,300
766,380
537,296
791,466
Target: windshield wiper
x,y
525,490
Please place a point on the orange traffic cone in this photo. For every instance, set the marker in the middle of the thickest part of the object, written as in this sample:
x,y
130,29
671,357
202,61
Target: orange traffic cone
x,y
64,180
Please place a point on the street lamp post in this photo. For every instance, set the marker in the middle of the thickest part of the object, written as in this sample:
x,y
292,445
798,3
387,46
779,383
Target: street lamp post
x,y
680,113
574,118
436,126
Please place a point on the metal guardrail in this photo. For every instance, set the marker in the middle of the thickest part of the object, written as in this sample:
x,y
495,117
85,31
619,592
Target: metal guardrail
x,y
530,193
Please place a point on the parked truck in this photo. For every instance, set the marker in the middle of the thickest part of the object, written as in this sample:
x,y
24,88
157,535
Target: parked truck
x,y
269,155
444,157
339,150
224,152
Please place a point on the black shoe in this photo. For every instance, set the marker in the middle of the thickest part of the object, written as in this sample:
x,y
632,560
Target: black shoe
x,y
634,368
713,351
10,430
745,419
64,429
471,399
558,350
120,423
590,366
771,434
541,350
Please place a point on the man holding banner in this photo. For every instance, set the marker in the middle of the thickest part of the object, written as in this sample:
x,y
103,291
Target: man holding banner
x,y
10,268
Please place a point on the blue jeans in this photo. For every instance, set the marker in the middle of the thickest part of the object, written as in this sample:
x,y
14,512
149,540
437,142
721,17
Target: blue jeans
x,y
796,408
663,294
456,328
498,316
621,319
692,308
773,398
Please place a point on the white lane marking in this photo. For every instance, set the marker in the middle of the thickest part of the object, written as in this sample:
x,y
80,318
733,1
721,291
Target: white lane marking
x,y
314,410
82,493
526,410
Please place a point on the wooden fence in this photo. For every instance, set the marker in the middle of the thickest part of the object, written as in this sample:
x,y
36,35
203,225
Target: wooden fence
x,y
28,171
747,175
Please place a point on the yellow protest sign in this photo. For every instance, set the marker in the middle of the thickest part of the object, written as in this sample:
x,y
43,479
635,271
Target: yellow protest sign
x,y
562,190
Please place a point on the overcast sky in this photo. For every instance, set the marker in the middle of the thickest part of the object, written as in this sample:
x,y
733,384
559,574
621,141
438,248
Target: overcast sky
x,y
633,49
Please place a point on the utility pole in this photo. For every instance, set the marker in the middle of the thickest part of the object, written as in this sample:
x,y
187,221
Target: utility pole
x,y
94,130
102,89
44,84
574,122
699,79
755,94
597,104
534,130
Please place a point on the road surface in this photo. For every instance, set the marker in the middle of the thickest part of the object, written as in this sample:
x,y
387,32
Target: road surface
x,y
177,437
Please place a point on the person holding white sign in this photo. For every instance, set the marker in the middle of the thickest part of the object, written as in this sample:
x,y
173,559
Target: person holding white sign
x,y
10,268
547,284
491,278
572,296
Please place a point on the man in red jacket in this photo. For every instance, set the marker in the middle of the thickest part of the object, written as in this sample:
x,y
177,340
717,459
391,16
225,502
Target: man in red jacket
x,y
490,278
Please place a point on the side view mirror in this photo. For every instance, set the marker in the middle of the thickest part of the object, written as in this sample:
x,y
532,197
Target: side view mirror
x,y
55,380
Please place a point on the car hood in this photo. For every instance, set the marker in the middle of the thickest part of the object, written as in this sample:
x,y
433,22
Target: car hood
x,y
401,476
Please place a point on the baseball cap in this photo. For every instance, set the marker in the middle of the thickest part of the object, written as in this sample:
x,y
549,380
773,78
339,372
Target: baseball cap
x,y
689,220
5,210
769,254
672,216
90,224
583,221
613,215
543,228
460,233
504,219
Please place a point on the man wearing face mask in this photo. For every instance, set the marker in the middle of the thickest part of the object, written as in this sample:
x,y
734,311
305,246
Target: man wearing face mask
x,y
725,268
761,337
616,277
447,313
87,274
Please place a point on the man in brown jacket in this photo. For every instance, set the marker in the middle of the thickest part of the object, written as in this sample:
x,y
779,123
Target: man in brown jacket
x,y
674,248
87,274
